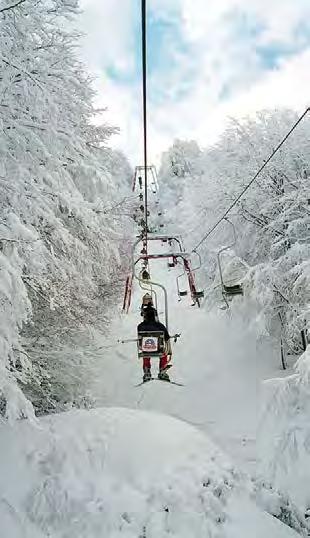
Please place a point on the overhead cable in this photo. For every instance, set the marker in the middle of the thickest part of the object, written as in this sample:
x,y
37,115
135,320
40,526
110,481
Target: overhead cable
x,y
252,180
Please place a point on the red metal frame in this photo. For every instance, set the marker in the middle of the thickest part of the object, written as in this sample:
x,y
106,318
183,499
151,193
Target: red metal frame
x,y
127,294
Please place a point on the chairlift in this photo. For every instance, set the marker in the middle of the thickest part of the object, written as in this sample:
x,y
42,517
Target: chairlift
x,y
195,293
181,293
150,174
235,289
168,239
147,257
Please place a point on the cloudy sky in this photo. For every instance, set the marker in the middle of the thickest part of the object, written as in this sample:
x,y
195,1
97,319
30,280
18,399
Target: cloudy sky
x,y
208,60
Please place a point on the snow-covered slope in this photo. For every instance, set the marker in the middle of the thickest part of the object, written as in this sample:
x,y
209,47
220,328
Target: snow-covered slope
x,y
218,358
141,472
121,473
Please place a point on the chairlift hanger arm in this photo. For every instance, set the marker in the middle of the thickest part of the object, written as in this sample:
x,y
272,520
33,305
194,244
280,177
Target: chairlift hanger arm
x,y
227,247
134,262
199,261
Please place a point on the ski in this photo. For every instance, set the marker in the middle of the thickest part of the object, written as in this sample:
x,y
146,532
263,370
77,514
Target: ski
x,y
171,382
164,381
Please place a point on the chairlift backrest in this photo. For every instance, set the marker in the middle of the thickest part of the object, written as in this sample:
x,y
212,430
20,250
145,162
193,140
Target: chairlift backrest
x,y
236,289
151,343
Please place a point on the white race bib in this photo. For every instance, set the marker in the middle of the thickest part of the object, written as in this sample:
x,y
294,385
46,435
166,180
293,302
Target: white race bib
x,y
149,343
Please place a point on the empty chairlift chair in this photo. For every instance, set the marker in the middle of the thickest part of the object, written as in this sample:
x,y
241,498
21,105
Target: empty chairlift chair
x,y
181,292
234,289
196,294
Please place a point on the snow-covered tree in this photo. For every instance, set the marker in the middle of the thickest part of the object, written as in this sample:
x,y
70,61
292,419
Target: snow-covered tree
x,y
60,249
284,433
272,219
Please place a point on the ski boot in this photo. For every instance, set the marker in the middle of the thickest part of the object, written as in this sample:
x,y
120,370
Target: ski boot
x,y
147,376
163,376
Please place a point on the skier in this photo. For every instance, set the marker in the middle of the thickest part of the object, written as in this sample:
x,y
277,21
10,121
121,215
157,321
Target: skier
x,y
145,275
150,324
146,301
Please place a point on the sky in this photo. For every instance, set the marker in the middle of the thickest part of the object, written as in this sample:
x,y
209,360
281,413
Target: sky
x,y
208,61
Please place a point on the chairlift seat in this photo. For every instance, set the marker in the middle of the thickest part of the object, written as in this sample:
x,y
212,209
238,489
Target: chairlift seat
x,y
183,293
237,289
198,294
151,344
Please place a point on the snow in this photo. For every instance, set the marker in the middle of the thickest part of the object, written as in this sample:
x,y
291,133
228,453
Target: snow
x,y
121,472
248,521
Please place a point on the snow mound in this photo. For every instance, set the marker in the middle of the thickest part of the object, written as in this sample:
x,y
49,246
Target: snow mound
x,y
117,472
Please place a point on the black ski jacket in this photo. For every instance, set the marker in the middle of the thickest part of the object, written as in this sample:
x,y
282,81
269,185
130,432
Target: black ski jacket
x,y
153,326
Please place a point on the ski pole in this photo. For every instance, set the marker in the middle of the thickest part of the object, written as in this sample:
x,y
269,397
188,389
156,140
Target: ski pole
x,y
127,340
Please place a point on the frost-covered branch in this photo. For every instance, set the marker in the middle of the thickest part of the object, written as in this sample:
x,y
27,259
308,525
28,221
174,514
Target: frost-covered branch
x,y
12,6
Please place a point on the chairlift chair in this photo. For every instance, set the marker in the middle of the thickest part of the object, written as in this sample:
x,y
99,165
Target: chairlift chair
x,y
181,293
197,294
235,289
